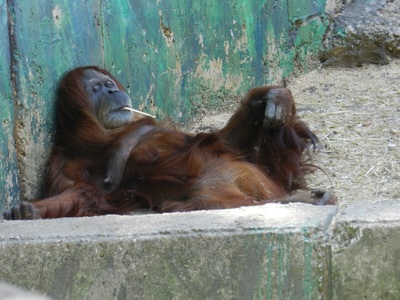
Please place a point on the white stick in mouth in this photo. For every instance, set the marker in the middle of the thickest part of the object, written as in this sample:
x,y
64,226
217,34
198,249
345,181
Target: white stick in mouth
x,y
138,111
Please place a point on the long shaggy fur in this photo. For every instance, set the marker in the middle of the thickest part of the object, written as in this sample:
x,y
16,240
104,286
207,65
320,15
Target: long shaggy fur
x,y
167,170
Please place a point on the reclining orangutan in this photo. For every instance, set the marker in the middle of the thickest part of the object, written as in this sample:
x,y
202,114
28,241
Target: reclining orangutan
x,y
106,161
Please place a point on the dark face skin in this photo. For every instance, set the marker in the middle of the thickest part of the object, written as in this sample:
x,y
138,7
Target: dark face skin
x,y
107,100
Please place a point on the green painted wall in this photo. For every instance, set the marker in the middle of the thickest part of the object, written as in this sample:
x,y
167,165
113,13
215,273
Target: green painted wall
x,y
9,189
175,58
49,38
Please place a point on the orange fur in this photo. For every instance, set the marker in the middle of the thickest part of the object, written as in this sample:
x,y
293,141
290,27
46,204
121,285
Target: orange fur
x,y
168,170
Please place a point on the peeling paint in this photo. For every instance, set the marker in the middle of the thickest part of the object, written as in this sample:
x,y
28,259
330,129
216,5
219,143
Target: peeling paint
x,y
57,16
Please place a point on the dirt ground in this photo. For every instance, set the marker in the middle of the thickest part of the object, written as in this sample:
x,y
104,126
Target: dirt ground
x,y
356,115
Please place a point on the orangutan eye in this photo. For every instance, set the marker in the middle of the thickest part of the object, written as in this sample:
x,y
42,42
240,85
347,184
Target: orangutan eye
x,y
109,83
96,88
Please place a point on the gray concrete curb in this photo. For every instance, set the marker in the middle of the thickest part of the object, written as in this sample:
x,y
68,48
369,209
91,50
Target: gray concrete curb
x,y
262,252
365,242
294,251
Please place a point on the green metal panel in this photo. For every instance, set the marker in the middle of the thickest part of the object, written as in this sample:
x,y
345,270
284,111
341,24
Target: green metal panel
x,y
9,190
50,38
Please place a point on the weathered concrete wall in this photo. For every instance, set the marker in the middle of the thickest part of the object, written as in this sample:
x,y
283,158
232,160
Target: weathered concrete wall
x,y
9,189
46,39
270,252
366,251
274,251
176,58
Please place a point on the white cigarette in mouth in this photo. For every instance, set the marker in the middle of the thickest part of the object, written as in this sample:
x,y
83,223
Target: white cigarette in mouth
x,y
138,111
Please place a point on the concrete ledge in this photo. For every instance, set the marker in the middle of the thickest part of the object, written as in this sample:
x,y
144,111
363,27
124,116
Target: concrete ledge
x,y
295,251
273,251
366,251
